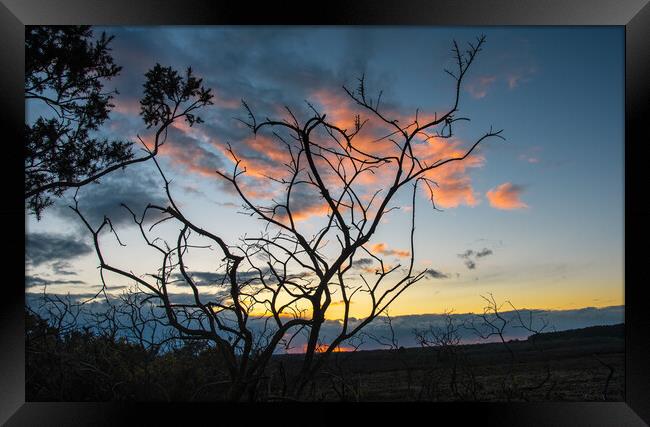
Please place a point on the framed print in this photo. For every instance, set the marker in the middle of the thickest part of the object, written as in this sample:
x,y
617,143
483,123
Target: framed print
x,y
430,204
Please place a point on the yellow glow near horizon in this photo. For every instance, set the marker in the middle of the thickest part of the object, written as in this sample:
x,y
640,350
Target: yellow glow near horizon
x,y
468,300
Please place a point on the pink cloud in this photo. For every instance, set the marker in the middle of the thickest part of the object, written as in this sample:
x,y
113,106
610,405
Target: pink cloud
x,y
478,88
531,155
127,106
519,76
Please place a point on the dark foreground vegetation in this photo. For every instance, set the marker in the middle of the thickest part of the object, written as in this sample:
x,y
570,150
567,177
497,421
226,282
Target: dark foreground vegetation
x,y
578,365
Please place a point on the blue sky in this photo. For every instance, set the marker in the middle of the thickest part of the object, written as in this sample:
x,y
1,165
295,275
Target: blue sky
x,y
553,230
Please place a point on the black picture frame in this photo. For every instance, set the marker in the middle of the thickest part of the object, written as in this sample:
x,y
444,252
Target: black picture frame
x,y
634,15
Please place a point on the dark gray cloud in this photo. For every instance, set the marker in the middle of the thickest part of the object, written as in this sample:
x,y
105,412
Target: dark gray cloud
x,y
435,274
63,268
36,281
131,186
484,252
264,66
470,257
557,320
403,326
261,65
202,278
466,257
362,263
229,204
42,248
305,201
208,278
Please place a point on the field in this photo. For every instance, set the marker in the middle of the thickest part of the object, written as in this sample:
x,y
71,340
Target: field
x,y
576,365
579,365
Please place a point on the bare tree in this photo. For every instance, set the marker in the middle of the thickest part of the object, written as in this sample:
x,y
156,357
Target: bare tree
x,y
495,322
446,341
534,326
391,343
271,287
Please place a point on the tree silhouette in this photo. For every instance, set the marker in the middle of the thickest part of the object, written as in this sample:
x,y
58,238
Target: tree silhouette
x,y
269,288
65,72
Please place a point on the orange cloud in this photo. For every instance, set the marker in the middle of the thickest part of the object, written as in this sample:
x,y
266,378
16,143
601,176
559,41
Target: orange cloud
x,y
383,249
265,156
305,212
184,148
260,155
377,270
506,196
187,157
454,185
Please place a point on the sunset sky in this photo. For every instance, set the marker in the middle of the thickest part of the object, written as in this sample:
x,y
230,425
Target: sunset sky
x,y
536,219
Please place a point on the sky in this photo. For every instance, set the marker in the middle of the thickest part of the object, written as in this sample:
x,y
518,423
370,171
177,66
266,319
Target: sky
x,y
536,219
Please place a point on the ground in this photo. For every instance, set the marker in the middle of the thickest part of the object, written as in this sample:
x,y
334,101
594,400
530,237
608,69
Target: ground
x,y
569,367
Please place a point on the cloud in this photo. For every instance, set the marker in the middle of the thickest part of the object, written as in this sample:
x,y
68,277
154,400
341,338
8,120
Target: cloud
x,y
512,76
264,67
470,256
188,154
558,320
383,249
506,196
304,203
403,326
470,264
531,155
362,263
435,274
43,248
36,281
484,252
229,204
63,268
520,75
202,278
513,80
211,278
529,159
466,254
132,187
478,87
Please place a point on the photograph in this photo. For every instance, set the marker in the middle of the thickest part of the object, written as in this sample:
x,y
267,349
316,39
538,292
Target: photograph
x,y
309,213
